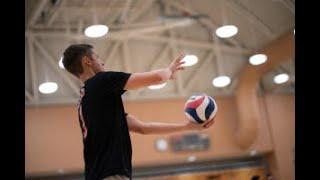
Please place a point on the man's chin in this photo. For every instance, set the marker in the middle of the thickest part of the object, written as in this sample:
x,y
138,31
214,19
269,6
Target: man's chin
x,y
96,72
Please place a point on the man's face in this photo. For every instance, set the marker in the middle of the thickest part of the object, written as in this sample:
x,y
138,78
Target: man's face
x,y
97,63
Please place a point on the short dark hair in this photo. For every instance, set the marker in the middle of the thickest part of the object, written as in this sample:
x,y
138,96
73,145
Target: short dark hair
x,y
73,55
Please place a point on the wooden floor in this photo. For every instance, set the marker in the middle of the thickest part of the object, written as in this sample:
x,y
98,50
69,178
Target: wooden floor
x,y
226,169
252,173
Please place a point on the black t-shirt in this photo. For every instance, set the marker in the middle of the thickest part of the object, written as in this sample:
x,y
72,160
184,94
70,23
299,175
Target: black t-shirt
x,y
106,139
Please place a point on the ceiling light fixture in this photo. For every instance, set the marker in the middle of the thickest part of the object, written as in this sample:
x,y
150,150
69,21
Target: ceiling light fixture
x,y
48,87
95,31
159,86
221,81
227,31
61,64
189,60
258,59
281,78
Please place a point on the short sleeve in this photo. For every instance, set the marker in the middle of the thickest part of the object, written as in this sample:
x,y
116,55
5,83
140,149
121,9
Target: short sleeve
x,y
114,81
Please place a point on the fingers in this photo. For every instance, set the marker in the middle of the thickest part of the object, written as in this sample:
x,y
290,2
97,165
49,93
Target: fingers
x,y
180,68
181,62
209,124
180,57
173,76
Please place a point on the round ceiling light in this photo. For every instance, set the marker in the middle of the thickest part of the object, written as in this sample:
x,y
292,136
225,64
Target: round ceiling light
x,y
95,31
61,64
159,86
48,87
221,81
190,60
227,31
281,78
258,59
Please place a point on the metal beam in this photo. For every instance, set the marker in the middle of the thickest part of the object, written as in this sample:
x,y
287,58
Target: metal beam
x,y
125,10
33,70
244,12
143,8
54,12
218,52
190,43
174,52
196,71
124,34
158,28
159,57
112,27
125,53
195,44
153,64
289,5
234,83
109,58
234,80
28,95
68,30
37,12
209,23
62,34
52,17
126,62
80,27
179,83
49,59
98,9
85,2
113,17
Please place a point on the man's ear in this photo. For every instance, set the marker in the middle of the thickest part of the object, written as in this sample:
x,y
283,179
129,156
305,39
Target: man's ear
x,y
85,60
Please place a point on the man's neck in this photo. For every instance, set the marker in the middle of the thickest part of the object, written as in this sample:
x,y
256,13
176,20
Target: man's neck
x,y
86,75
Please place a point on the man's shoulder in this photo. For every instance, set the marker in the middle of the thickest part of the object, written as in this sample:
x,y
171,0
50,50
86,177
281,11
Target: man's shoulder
x,y
103,74
106,76
106,73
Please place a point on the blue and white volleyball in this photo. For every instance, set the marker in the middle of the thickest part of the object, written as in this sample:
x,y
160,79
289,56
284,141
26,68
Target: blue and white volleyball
x,y
200,108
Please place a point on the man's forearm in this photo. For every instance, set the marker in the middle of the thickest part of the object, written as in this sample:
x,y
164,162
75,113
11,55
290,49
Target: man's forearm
x,y
135,125
159,128
164,74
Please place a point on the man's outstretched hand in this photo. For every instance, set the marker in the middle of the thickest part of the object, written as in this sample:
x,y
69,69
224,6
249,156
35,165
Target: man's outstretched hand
x,y
194,126
176,65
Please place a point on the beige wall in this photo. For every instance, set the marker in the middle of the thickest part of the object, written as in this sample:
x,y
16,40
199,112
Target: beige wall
x,y
222,133
53,137
52,140
281,112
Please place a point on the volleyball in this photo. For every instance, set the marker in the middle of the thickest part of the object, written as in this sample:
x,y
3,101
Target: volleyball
x,y
200,108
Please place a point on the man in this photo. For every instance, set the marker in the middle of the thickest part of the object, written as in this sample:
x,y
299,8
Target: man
x,y
105,125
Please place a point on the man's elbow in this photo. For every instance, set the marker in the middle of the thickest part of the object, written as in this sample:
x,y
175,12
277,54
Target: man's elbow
x,y
143,130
